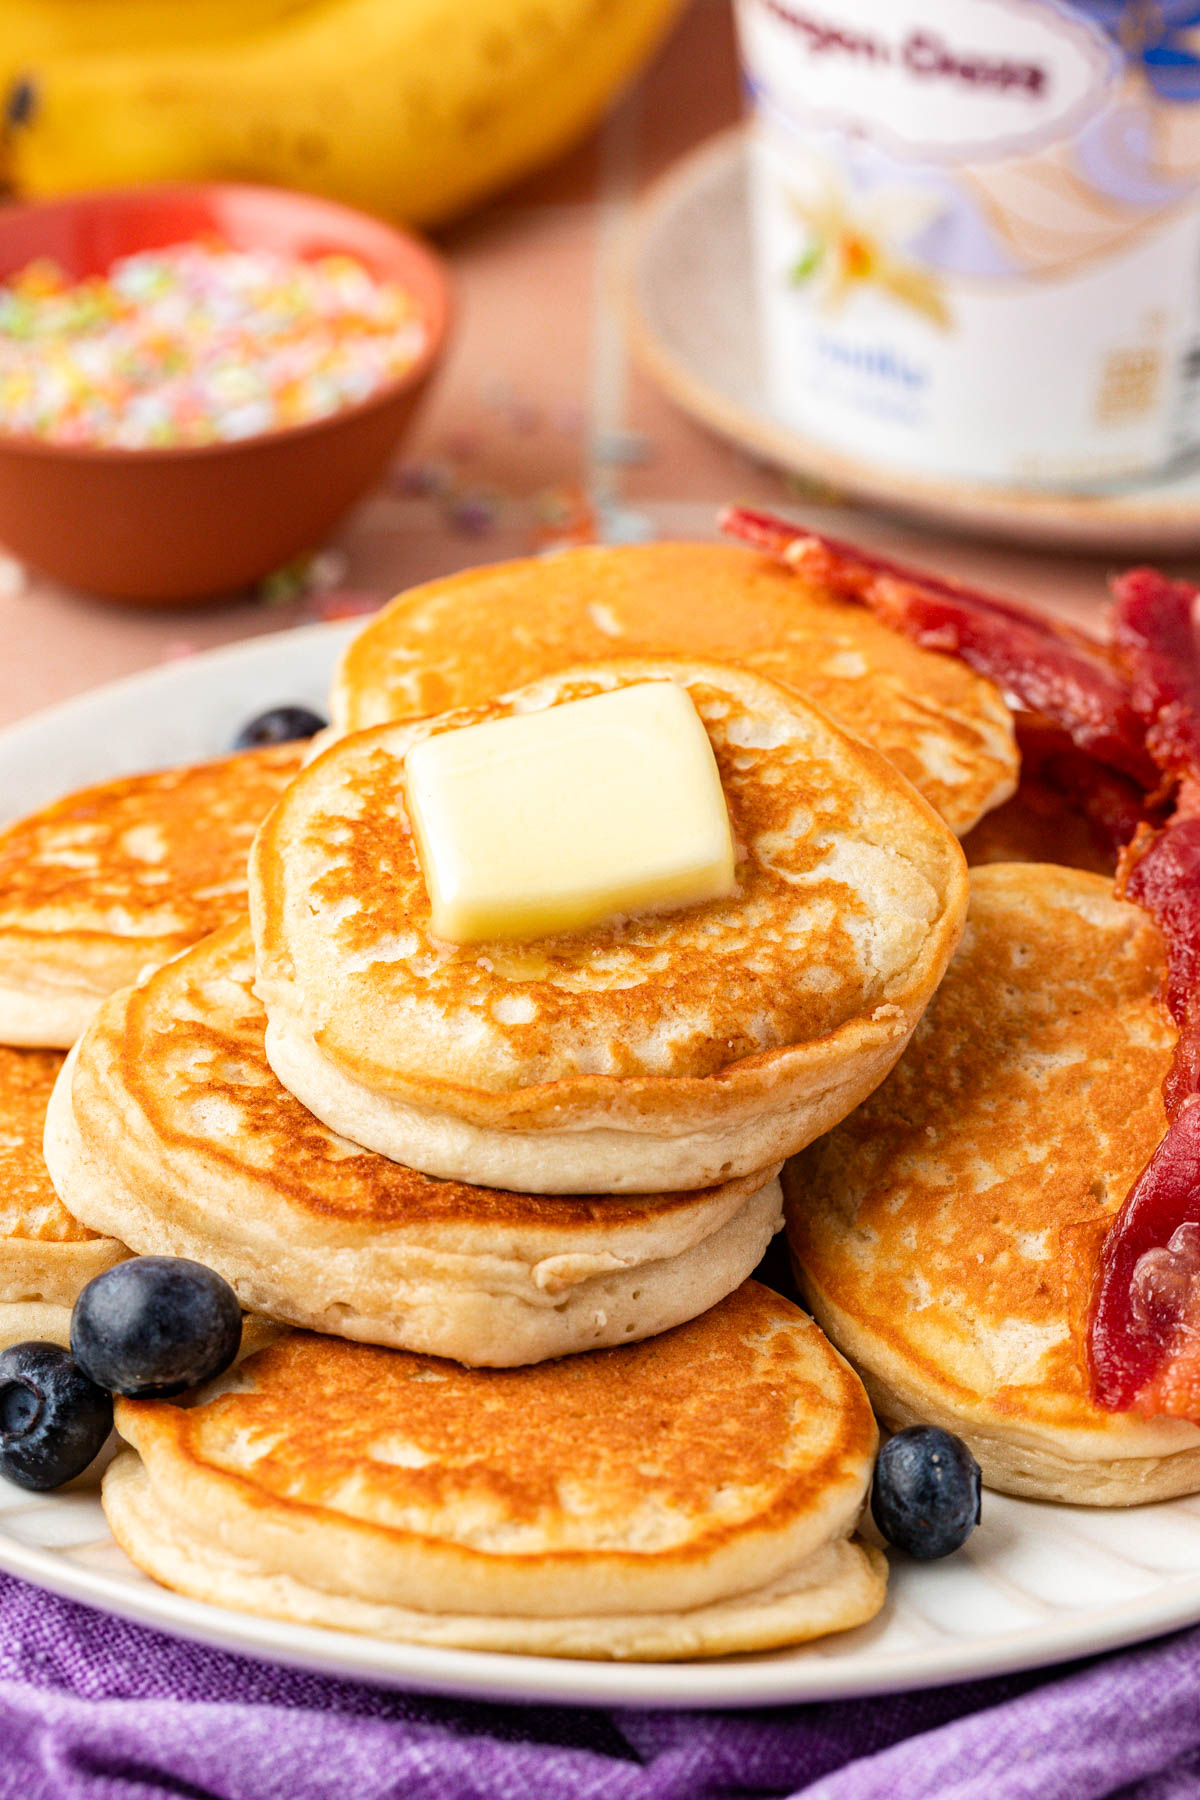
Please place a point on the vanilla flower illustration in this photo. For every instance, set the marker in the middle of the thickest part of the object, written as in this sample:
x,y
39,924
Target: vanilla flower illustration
x,y
857,241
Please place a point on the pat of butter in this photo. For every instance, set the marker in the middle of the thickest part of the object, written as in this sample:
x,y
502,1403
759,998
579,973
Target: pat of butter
x,y
553,820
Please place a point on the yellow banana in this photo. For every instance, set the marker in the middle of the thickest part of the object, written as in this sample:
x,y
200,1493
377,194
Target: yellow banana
x,y
32,30
412,108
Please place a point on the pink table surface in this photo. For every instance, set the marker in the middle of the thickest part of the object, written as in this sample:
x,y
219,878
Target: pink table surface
x,y
540,427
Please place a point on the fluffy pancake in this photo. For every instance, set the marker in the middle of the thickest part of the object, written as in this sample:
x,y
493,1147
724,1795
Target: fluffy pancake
x,y
169,1129
117,878
46,1256
664,1050
947,1234
458,641
688,1496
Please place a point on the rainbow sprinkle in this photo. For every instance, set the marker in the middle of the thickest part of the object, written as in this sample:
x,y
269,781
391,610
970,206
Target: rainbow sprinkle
x,y
197,343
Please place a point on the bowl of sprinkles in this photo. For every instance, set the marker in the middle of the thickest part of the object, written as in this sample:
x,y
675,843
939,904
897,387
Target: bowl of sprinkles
x,y
196,383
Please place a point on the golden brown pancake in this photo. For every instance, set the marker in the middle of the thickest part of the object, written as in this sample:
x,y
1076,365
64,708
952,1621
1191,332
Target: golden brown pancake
x,y
170,1129
460,640
663,1050
116,878
46,1255
947,1233
687,1496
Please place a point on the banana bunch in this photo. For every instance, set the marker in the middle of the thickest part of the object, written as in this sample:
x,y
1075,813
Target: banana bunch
x,y
33,30
410,108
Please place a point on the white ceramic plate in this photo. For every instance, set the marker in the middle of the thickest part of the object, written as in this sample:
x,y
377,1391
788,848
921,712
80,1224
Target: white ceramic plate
x,y
693,320
1036,1583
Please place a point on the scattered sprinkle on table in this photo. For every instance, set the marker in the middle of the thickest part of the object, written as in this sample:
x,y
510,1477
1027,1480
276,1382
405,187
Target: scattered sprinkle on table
x,y
197,343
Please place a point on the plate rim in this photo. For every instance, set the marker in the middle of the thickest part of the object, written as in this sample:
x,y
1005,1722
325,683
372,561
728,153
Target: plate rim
x,y
20,739
1139,520
734,1683
179,668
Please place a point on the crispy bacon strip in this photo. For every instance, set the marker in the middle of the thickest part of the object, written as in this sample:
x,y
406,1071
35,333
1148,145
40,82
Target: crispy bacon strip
x,y
1144,1329
1044,666
1161,873
1154,631
1113,804
1145,1292
1144,1332
1119,728
848,568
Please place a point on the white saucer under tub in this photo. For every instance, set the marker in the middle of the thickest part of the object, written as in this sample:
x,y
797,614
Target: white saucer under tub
x,y
691,309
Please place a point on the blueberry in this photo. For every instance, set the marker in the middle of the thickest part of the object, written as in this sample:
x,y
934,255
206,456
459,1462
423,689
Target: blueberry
x,y
53,1420
155,1325
926,1494
281,725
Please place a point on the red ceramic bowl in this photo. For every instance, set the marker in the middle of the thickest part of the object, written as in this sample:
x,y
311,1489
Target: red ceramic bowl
x,y
175,524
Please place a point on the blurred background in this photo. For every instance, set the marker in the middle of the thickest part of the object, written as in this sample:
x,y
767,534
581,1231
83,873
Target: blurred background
x,y
550,154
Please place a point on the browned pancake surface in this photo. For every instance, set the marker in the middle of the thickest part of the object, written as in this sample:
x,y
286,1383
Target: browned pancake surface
x,y
742,1420
29,1206
849,890
955,1218
94,886
458,641
187,1048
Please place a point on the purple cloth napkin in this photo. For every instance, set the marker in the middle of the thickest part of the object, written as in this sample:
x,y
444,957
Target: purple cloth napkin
x,y
93,1707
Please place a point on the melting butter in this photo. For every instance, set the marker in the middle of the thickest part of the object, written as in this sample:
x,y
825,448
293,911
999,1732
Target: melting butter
x,y
555,820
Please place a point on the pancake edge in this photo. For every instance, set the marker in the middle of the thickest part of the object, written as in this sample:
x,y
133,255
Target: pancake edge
x,y
41,1321
841,1585
45,1018
582,1158
515,1320
1077,1468
54,1270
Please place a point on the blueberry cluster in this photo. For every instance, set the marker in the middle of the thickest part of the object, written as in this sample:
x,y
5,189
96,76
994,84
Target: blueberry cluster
x,y
147,1328
157,1325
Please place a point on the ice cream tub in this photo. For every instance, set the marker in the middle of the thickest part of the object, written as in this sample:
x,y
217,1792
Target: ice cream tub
x,y
977,232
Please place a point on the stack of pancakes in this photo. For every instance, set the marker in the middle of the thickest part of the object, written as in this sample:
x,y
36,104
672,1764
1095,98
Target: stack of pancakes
x,y
500,1201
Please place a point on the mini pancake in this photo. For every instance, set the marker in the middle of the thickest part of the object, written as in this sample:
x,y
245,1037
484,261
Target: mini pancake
x,y
947,1234
658,1051
685,1497
46,1256
460,640
116,878
169,1128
